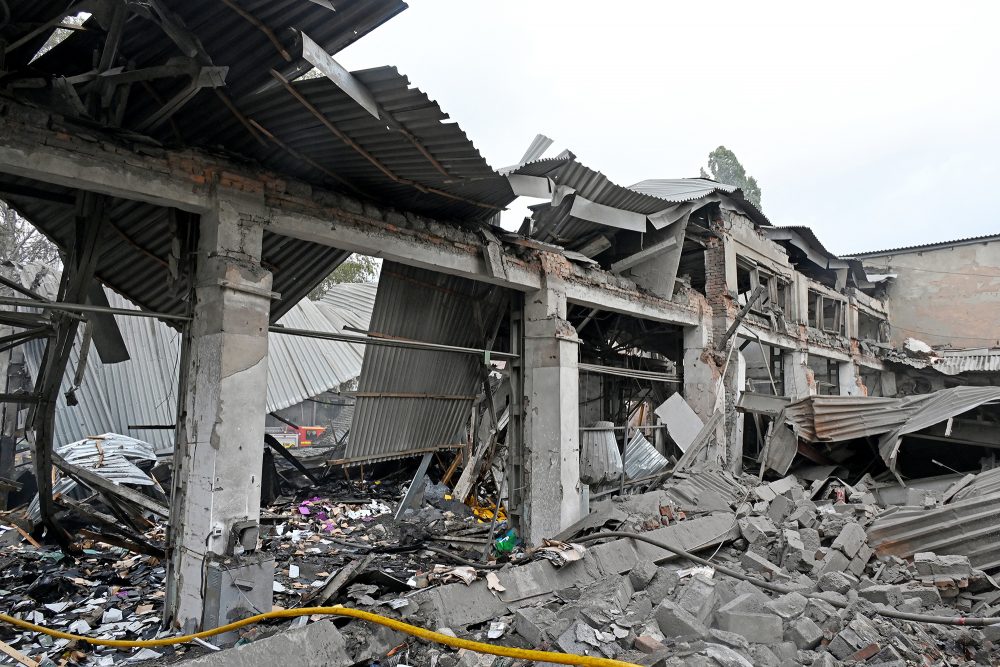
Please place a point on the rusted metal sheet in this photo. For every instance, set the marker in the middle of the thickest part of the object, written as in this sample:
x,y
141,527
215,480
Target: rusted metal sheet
x,y
969,527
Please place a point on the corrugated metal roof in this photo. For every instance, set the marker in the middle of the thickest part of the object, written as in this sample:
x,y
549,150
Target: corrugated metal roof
x,y
985,483
641,458
110,455
777,233
966,528
982,360
135,263
682,189
554,223
987,238
705,490
358,297
143,390
413,401
137,251
840,418
468,175
298,368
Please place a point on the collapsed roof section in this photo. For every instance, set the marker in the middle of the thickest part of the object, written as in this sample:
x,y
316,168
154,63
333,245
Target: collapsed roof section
x,y
138,394
637,231
227,78
810,257
833,419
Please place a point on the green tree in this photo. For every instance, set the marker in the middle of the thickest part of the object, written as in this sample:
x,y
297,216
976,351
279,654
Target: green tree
x,y
354,269
725,168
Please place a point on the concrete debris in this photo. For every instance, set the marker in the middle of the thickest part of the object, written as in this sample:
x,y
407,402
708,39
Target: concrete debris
x,y
616,597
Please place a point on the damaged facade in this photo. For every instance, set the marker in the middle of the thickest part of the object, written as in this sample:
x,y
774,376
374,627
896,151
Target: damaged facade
x,y
623,361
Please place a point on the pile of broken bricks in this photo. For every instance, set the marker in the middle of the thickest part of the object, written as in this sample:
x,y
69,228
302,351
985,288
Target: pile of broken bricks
x,y
633,602
640,603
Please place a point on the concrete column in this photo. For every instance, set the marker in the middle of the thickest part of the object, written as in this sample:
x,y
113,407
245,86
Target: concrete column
x,y
701,375
849,379
799,379
889,384
220,435
551,414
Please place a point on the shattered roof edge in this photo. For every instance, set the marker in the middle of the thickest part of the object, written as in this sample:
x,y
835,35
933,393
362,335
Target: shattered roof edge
x,y
969,240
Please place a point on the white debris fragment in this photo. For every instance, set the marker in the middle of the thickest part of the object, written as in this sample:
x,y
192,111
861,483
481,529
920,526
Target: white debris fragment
x,y
111,615
493,582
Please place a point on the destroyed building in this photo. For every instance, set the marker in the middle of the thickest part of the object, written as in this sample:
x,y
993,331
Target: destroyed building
x,y
659,359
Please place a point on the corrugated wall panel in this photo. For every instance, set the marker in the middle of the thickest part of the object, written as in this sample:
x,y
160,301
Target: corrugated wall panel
x,y
412,401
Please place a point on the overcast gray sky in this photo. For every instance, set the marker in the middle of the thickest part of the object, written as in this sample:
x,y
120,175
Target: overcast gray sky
x,y
875,123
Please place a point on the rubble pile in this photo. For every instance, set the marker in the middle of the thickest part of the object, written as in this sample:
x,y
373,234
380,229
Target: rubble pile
x,y
635,602
578,593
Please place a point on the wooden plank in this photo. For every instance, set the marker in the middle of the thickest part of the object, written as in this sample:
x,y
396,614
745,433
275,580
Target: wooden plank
x,y
17,655
98,483
25,535
342,577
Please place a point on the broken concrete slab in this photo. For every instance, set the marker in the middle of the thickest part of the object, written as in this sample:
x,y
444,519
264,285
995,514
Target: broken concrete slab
x,y
859,635
458,605
698,597
762,628
758,529
788,606
689,535
832,561
931,565
804,632
927,595
642,573
677,623
850,539
770,491
683,423
838,582
887,594
327,648
536,625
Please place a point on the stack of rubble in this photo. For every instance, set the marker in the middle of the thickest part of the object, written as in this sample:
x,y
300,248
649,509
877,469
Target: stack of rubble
x,y
635,602
580,593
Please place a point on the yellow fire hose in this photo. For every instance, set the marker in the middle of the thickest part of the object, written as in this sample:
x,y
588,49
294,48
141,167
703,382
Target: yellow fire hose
x,y
478,647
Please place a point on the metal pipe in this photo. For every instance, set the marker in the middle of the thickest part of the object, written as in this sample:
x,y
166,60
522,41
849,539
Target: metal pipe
x,y
634,373
85,308
392,342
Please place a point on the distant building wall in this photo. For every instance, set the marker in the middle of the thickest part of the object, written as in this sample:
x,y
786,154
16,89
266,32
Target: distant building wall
x,y
948,295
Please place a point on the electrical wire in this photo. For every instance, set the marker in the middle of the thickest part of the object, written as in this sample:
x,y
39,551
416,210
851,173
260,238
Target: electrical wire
x,y
428,635
778,588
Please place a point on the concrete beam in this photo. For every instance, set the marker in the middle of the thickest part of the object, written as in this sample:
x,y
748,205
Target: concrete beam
x,y
50,149
633,304
35,146
359,232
